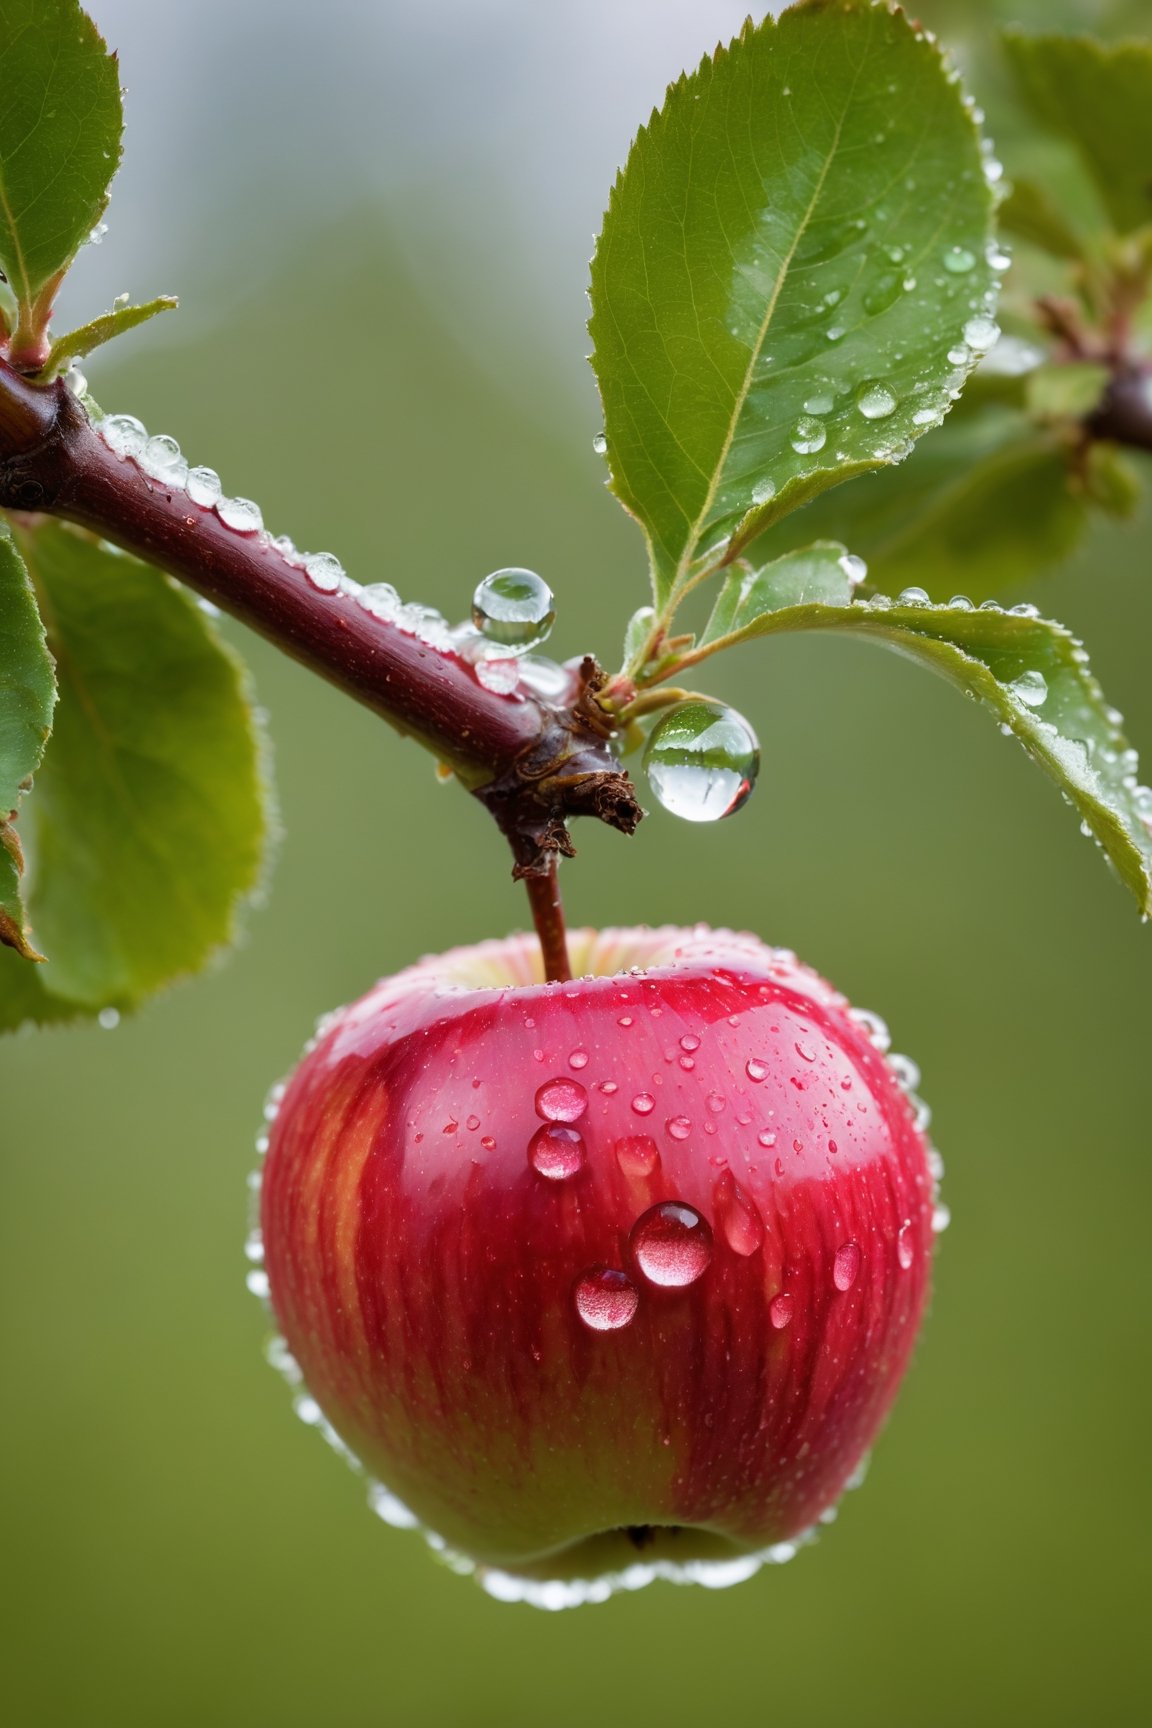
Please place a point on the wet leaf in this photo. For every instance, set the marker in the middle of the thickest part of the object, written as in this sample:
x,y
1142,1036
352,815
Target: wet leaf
x,y
149,815
791,277
60,127
1033,677
27,695
1098,96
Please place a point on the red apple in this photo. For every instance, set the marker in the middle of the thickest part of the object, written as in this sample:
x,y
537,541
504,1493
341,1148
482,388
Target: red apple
x,y
616,1276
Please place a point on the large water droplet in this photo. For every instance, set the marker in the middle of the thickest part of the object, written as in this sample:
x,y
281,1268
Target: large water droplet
x,y
324,571
678,1127
959,260
203,486
981,334
737,1216
637,1154
515,608
1031,688
643,1103
240,514
702,760
561,1100
606,1300
379,599
808,435
672,1244
846,1265
161,459
499,673
875,401
123,433
780,1310
556,1151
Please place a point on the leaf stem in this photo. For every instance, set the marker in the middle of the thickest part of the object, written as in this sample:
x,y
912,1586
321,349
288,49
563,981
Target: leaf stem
x,y
548,917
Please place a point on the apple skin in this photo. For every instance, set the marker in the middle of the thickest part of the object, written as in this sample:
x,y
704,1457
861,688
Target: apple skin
x,y
429,1280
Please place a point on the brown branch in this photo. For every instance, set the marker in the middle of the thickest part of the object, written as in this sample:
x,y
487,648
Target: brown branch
x,y
533,764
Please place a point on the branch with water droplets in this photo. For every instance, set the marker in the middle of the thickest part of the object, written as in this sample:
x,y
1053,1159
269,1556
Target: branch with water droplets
x,y
535,763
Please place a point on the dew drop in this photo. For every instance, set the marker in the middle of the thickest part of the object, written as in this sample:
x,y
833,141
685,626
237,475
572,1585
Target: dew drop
x,y
913,597
853,567
109,1019
846,1265
822,402
736,1213
941,1218
379,599
240,514
672,1244
806,1052
637,1154
561,1100
203,486
689,1042
755,1069
600,444
981,334
123,433
514,608
767,1138
808,435
499,673
644,1104
324,571
702,759
606,1300
578,1059
959,260
678,1127
556,1152
161,459
488,1143
717,1103
1031,688
780,1311
875,401
905,1248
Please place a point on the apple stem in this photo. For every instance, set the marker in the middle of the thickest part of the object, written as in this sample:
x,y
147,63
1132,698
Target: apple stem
x,y
548,917
534,764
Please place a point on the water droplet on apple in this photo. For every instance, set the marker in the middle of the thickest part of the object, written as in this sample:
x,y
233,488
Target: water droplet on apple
x,y
755,1069
561,1100
578,1059
846,1265
637,1154
806,1052
556,1152
644,1104
672,1244
780,1311
738,1217
767,1138
514,608
689,1042
905,1247
606,1300
702,759
679,1127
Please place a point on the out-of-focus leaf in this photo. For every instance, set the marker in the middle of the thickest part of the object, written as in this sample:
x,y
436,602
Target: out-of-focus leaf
x,y
1111,481
984,504
27,695
1033,676
106,328
1058,391
1029,213
149,818
791,278
60,127
1099,96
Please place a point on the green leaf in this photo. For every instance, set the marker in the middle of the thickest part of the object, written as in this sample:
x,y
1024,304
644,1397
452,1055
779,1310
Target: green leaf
x,y
986,504
823,574
1099,96
106,328
788,263
27,695
1073,389
150,819
1033,677
1029,213
60,127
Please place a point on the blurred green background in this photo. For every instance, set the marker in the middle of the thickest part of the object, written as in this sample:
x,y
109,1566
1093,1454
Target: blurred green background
x,y
372,361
